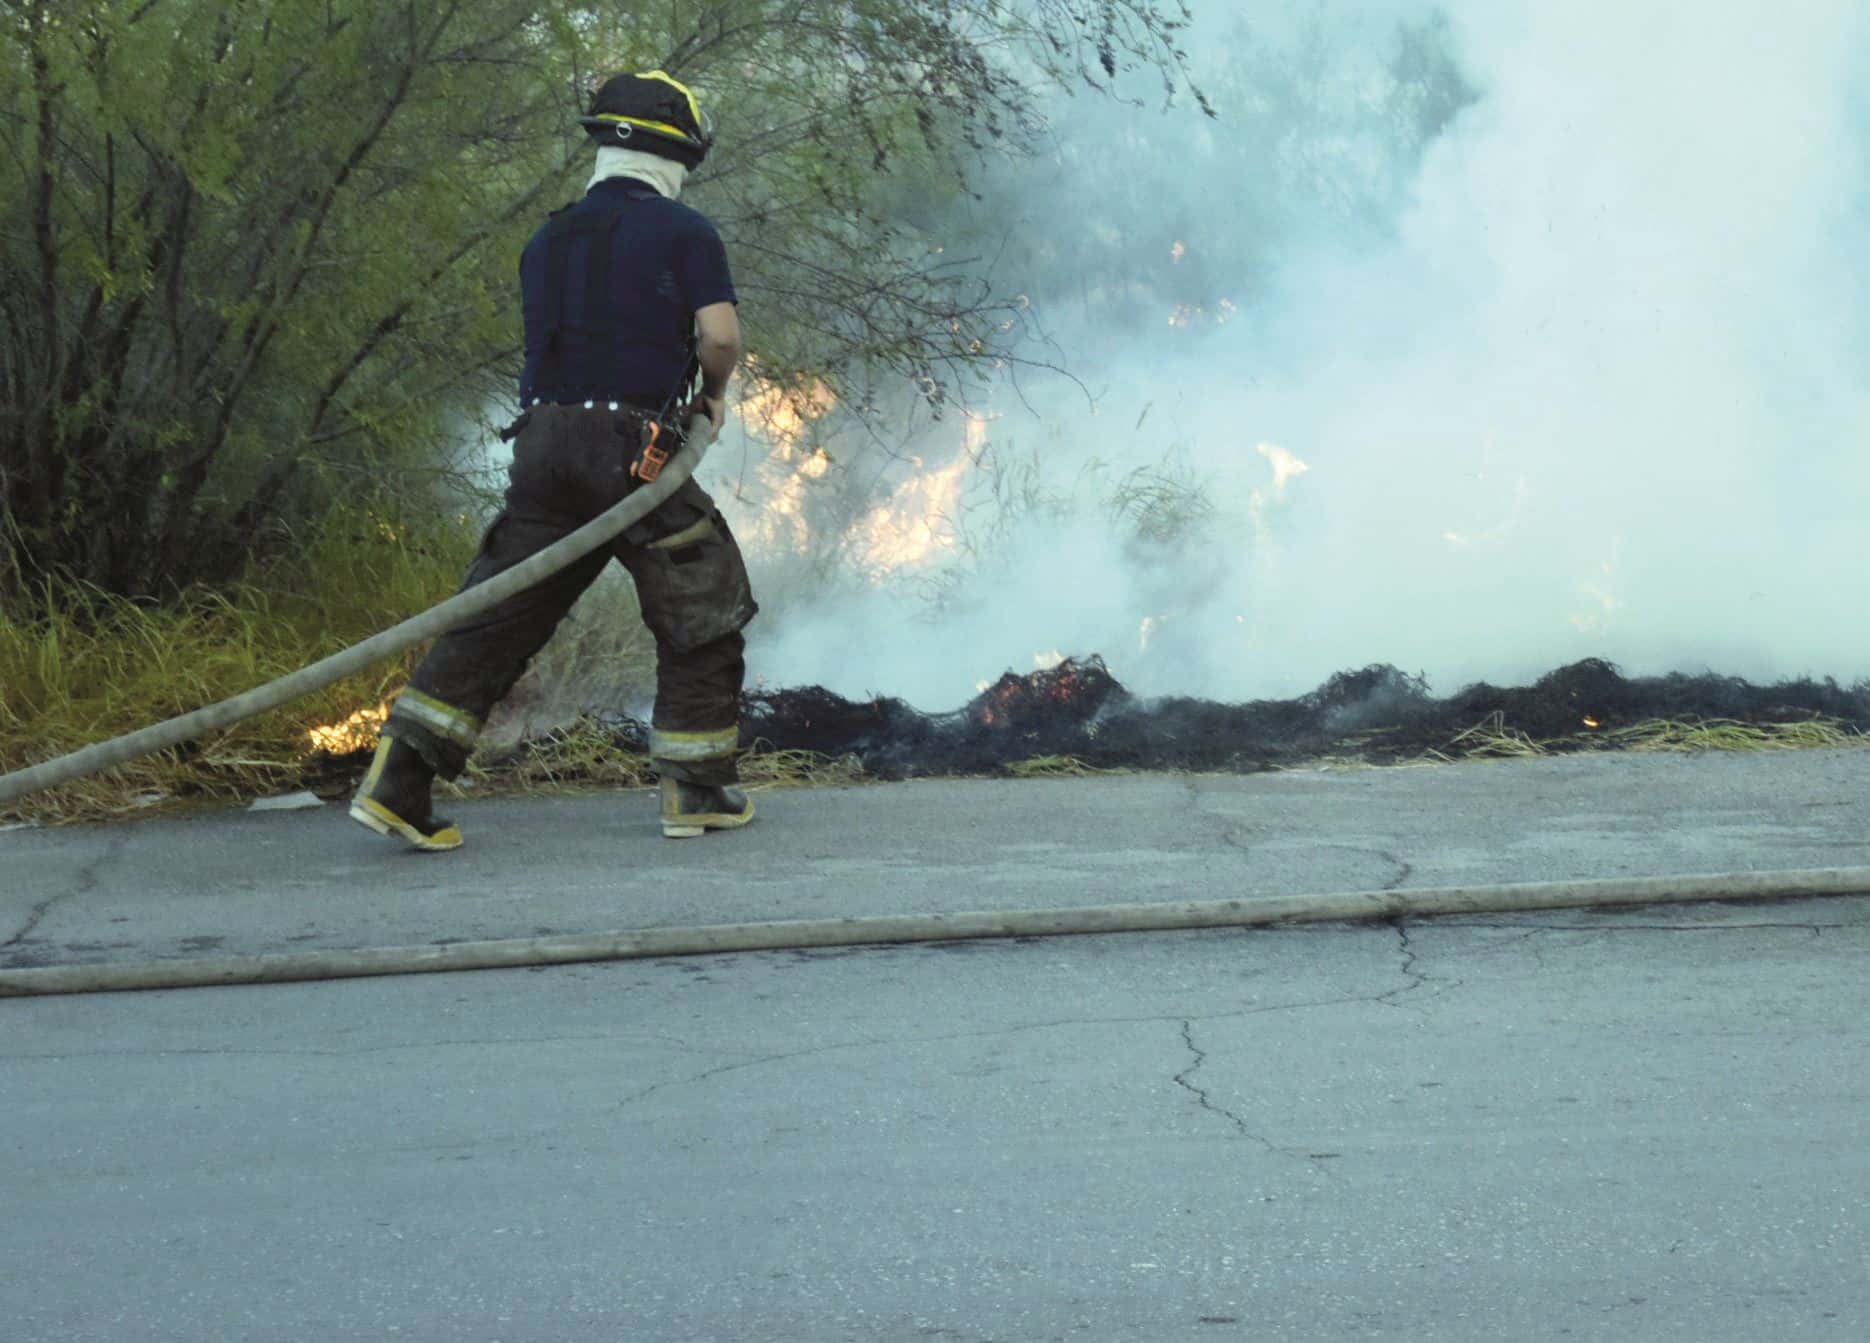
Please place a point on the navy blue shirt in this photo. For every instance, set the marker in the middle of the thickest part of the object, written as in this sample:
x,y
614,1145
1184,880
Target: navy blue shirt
x,y
666,263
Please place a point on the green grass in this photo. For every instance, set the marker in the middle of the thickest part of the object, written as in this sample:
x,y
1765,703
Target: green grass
x,y
79,665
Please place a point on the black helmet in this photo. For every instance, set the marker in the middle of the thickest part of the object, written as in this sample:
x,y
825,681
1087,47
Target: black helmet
x,y
651,111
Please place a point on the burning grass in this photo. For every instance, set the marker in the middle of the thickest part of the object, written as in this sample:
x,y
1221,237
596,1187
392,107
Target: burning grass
x,y
1074,720
96,666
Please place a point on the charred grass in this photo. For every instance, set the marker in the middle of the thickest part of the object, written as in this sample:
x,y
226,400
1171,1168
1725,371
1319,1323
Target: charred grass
x,y
1076,719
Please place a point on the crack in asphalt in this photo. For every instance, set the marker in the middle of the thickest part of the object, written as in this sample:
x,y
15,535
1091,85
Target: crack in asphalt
x,y
994,1033
1404,868
1416,978
1409,968
755,1062
1199,1056
1231,837
1206,1102
83,884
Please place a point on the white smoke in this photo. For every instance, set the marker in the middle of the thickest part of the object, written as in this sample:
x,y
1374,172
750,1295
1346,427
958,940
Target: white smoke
x,y
1598,385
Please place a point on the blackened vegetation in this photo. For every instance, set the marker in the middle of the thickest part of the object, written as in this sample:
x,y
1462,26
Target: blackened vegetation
x,y
1379,715
1079,710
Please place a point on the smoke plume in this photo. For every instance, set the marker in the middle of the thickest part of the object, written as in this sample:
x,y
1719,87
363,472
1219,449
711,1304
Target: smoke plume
x,y
1476,339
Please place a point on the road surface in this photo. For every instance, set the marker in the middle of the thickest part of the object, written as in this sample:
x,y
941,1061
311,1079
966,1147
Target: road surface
x,y
1649,1124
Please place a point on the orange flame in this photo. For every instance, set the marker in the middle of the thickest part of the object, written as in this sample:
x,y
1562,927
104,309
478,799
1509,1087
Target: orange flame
x,y
917,521
784,417
356,733
782,414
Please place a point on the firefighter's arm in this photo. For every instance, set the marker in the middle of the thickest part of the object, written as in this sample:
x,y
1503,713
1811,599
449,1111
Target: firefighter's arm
x,y
717,327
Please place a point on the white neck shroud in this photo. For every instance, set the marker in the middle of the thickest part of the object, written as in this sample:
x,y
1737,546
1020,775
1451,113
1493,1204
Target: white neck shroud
x,y
665,175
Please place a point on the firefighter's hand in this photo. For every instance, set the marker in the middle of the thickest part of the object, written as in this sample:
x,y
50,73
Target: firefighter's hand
x,y
716,407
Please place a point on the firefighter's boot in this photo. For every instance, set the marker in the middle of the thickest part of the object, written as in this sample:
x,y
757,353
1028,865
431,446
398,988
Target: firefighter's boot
x,y
394,799
691,809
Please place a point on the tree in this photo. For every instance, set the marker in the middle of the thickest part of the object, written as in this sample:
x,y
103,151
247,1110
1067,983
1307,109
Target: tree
x,y
260,251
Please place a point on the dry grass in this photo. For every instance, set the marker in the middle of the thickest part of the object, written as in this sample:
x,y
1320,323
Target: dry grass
x,y
585,756
582,756
1493,739
78,665
764,767
599,655
1490,739
86,666
1057,767
1724,734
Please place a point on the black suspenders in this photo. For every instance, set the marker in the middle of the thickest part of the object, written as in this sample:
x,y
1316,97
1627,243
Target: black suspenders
x,y
566,227
595,227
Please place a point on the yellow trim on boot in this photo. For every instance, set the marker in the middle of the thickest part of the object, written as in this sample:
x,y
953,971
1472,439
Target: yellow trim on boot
x,y
692,746
460,727
370,812
691,825
367,811
375,773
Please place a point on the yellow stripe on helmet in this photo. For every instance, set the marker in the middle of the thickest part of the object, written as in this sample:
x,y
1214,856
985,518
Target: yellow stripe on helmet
x,y
694,108
662,127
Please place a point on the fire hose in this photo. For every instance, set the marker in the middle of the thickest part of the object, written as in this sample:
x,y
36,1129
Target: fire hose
x,y
721,939
437,620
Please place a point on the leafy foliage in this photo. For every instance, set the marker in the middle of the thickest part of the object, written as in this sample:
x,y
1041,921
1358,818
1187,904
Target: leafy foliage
x,y
267,245
257,252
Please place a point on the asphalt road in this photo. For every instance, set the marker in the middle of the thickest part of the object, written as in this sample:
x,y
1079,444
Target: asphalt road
x,y
1645,1125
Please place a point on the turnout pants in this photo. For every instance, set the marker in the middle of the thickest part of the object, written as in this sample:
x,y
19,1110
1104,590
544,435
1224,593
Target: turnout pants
x,y
569,465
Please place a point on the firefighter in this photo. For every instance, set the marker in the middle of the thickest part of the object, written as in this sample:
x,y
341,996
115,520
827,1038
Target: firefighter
x,y
626,294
